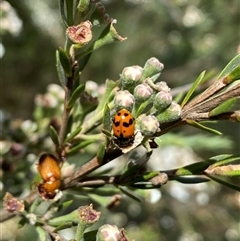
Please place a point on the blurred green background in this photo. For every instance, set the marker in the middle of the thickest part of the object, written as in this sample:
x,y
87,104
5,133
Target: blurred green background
x,y
188,37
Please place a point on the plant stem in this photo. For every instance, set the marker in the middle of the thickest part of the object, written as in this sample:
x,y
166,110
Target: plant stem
x,y
66,112
80,231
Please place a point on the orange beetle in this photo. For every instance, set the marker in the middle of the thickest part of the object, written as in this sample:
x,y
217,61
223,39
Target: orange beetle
x,y
48,189
49,169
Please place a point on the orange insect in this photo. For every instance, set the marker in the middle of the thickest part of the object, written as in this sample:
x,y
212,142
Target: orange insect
x,y
48,189
49,169
123,128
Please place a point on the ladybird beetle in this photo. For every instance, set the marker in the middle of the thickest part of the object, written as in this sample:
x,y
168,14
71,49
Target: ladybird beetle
x,y
49,169
123,128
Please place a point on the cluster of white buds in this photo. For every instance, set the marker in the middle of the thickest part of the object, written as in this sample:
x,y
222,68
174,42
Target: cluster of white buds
x,y
149,101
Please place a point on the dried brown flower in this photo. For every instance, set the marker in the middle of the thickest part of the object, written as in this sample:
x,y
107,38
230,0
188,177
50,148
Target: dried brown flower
x,y
80,34
12,204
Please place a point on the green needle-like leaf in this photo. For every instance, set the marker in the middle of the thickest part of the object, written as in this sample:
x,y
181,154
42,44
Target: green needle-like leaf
x,y
223,160
54,135
62,12
76,94
193,88
202,127
223,107
68,218
101,152
60,71
224,182
65,205
65,225
130,194
190,180
69,11
80,146
107,124
65,61
234,63
192,169
234,75
73,134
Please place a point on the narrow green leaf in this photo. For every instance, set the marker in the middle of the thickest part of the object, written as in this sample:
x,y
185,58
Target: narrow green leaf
x,y
232,173
107,133
69,11
140,178
65,205
223,160
220,157
202,127
108,35
233,76
101,152
82,60
72,217
130,194
54,135
224,182
103,201
190,180
223,107
70,121
193,88
60,71
80,146
62,12
73,134
107,123
192,169
75,95
65,61
65,225
234,63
